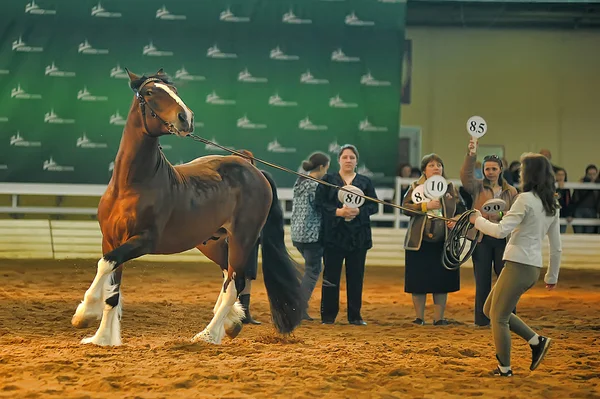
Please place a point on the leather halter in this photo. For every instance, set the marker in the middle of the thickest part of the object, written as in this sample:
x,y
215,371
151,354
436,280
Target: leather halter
x,y
143,104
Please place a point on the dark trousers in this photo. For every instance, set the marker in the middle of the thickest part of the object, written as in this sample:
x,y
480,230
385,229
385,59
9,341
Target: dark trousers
x,y
487,256
313,264
333,258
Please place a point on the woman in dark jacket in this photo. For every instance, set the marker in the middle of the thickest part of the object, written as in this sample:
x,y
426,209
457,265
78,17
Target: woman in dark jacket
x,y
346,234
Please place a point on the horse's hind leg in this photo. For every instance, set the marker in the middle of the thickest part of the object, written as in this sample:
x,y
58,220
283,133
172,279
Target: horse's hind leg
x,y
217,251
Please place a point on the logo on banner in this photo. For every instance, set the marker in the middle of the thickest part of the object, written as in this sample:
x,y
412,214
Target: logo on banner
x,y
392,1
166,147
32,8
4,71
247,77
213,98
52,117
332,1
215,52
51,166
111,166
100,12
117,119
245,123
228,16
363,170
183,74
308,78
53,70
274,146
85,142
20,46
212,147
86,48
19,141
163,13
118,73
19,93
3,118
3,166
337,102
85,95
368,80
339,56
334,147
306,124
278,54
276,101
353,20
151,51
367,126
291,18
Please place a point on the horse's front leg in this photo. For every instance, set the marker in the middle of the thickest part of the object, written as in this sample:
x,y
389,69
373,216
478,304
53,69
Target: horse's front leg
x,y
105,291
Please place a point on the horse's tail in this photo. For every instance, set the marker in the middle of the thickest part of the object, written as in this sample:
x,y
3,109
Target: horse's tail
x,y
280,271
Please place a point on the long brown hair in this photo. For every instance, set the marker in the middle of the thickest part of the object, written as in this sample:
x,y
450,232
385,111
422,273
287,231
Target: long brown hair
x,y
537,175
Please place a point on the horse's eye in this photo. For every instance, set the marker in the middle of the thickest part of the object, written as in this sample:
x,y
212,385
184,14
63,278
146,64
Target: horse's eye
x,y
149,93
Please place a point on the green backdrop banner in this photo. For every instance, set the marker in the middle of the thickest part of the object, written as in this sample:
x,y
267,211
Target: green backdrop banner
x,y
282,79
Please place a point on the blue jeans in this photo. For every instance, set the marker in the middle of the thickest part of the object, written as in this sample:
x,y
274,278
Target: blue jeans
x,y
313,265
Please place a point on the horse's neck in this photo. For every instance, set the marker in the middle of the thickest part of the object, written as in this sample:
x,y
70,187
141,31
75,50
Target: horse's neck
x,y
139,158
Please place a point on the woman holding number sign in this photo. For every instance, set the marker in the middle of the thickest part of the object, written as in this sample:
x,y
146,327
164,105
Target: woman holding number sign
x,y
489,251
346,235
534,215
424,242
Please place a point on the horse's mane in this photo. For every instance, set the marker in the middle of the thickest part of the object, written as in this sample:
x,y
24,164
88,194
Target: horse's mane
x,y
135,84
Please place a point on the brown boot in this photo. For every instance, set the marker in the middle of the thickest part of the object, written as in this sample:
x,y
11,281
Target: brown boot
x,y
245,301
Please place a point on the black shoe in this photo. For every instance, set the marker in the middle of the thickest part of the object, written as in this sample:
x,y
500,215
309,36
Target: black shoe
x,y
418,321
307,317
539,351
327,321
499,373
442,322
245,301
359,322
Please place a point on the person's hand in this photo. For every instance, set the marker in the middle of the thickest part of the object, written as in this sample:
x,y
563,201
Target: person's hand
x,y
569,219
434,204
451,224
473,146
550,287
347,213
494,217
473,217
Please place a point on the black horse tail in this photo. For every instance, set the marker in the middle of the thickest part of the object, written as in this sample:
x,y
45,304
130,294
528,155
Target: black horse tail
x,y
280,271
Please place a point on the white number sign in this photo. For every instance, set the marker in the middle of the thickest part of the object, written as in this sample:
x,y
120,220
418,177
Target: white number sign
x,y
476,126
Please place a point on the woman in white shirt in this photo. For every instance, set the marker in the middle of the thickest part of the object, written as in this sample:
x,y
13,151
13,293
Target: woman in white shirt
x,y
533,215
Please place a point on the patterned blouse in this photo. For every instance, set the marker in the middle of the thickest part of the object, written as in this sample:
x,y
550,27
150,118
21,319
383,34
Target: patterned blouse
x,y
306,219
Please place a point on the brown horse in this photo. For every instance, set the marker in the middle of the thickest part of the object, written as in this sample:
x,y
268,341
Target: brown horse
x,y
152,207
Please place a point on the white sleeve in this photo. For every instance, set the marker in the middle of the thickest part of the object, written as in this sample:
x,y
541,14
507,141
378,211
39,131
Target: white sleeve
x,y
508,223
555,251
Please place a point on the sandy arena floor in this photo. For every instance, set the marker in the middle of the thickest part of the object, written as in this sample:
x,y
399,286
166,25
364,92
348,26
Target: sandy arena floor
x,y
165,305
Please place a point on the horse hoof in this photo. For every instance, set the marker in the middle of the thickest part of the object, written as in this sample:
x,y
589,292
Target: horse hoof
x,y
234,331
79,321
205,336
102,341
85,315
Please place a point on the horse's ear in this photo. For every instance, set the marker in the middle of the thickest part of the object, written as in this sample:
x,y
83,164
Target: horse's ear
x,y
132,76
160,72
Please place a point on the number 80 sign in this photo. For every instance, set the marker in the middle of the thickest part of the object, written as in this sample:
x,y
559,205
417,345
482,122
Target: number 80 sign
x,y
349,199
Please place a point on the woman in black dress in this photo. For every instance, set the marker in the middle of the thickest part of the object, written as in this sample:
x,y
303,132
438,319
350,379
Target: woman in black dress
x,y
424,245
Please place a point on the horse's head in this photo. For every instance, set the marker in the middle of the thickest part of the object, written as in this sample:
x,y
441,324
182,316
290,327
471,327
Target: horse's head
x,y
170,115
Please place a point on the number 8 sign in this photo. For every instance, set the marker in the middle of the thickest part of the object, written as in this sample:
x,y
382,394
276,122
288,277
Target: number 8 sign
x,y
349,199
435,187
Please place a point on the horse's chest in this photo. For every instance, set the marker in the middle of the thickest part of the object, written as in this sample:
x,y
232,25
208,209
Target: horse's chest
x,y
124,219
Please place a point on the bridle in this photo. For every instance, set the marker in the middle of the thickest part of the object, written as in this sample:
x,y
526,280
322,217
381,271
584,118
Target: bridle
x,y
143,104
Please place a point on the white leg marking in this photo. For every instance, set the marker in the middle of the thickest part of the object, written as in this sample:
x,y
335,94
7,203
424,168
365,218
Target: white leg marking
x,y
220,298
178,100
215,331
109,332
90,308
